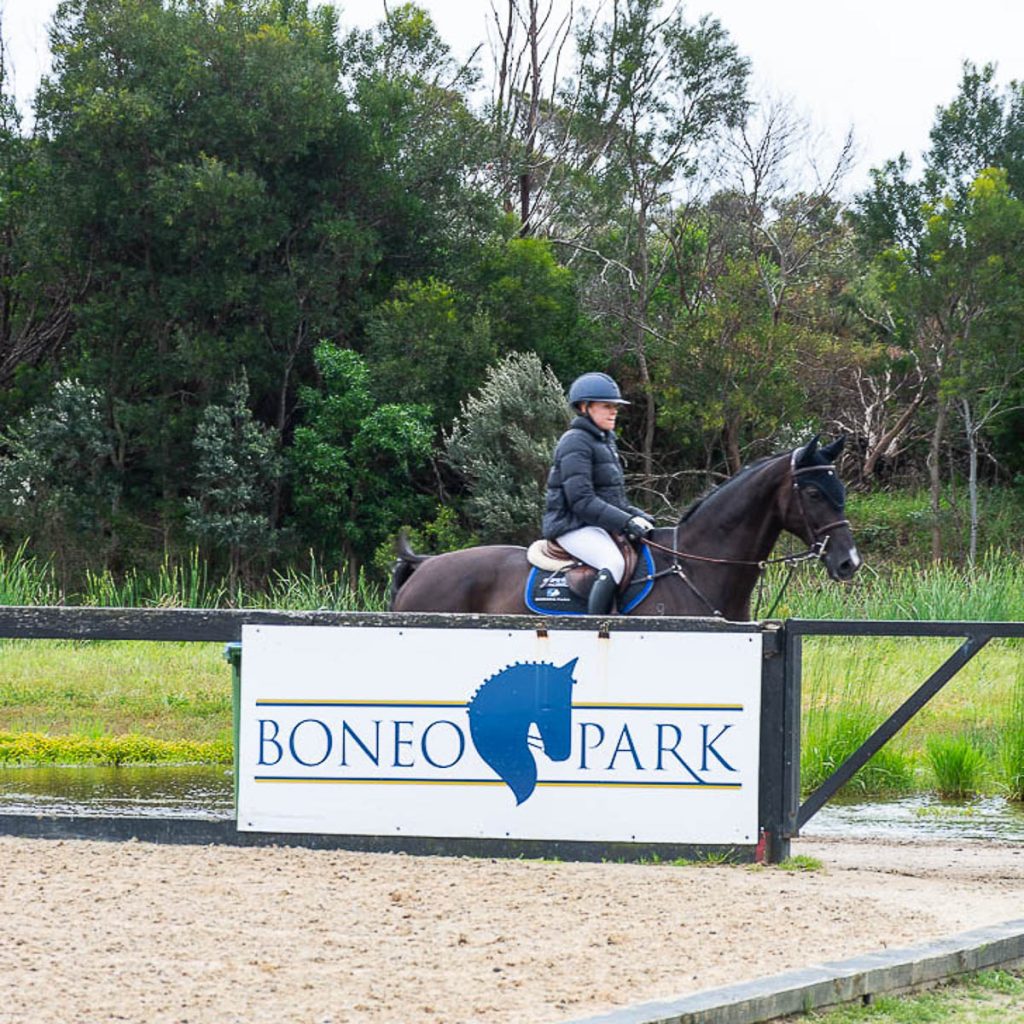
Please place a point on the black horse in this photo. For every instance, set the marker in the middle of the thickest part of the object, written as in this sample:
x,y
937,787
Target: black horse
x,y
707,564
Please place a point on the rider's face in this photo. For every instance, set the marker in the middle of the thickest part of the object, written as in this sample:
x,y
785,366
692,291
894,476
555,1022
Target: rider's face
x,y
602,414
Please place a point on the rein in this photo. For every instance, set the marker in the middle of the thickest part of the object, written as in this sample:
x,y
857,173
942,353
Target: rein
x,y
816,550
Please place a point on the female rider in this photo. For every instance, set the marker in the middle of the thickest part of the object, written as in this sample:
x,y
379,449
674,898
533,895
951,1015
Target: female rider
x,y
586,495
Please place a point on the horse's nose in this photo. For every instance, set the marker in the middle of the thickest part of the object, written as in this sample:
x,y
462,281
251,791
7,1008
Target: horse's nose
x,y
845,568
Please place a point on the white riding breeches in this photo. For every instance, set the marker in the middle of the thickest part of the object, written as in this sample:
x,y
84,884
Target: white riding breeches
x,y
595,546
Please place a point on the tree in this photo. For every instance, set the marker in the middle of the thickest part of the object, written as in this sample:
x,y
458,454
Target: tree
x,y
237,182
533,305
502,443
36,286
237,466
945,249
428,344
654,93
527,121
55,474
352,460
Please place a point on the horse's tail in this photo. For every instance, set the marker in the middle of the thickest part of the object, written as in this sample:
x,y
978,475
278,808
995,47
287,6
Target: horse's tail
x,y
405,565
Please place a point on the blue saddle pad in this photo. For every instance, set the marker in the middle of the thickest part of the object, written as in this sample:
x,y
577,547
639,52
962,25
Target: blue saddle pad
x,y
548,593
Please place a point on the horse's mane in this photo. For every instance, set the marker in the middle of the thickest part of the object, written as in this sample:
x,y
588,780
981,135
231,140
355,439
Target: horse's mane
x,y
725,485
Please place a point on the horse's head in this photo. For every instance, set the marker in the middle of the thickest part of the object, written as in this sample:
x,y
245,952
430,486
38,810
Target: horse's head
x,y
817,511
554,711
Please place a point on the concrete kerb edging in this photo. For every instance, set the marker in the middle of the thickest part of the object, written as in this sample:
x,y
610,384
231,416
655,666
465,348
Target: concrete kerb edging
x,y
829,984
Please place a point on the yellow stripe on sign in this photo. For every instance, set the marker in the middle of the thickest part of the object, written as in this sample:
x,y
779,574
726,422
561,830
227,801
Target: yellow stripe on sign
x,y
595,705
499,782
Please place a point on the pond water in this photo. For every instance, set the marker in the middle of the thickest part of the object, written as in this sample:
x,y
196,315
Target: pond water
x,y
158,791
921,817
206,792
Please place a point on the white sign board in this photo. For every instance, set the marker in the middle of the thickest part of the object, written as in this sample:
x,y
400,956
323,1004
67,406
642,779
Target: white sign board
x,y
634,737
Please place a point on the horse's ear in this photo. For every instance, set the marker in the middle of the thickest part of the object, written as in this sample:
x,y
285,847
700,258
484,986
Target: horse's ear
x,y
830,451
808,450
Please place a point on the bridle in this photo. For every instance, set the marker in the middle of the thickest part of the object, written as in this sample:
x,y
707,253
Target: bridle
x,y
820,537
795,473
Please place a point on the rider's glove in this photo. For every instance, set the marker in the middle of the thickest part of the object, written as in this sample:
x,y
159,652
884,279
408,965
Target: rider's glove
x,y
638,527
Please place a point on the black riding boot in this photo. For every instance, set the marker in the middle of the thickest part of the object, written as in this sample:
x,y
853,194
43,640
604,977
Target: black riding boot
x,y
602,594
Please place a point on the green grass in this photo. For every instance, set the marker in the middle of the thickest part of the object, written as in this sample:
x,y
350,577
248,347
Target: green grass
x,y
992,591
800,863
852,685
958,764
990,997
1011,745
166,691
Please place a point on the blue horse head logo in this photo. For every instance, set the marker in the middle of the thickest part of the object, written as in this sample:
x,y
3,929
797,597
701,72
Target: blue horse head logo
x,y
505,707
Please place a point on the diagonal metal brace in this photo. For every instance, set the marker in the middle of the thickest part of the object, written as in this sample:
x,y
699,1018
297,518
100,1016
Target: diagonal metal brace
x,y
892,725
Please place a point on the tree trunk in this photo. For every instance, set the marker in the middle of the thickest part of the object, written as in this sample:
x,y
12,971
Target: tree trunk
x,y
971,430
889,436
731,440
935,477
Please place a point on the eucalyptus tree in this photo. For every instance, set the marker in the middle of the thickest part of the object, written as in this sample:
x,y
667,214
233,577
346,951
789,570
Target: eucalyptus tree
x,y
655,92
530,121
945,250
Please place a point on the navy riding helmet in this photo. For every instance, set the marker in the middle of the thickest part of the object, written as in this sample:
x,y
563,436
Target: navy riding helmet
x,y
595,387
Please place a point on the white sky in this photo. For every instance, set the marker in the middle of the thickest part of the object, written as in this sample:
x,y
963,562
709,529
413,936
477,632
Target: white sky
x,y
879,66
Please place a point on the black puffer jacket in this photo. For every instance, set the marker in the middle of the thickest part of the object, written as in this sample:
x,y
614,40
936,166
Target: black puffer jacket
x,y
586,486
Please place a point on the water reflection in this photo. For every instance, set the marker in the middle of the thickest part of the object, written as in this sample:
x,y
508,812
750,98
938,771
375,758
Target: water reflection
x,y
159,791
206,792
921,817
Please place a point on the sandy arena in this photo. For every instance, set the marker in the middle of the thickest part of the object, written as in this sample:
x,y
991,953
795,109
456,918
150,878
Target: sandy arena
x,y
98,932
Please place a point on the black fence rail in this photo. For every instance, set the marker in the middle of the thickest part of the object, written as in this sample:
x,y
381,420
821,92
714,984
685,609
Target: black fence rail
x,y
781,812
225,626
975,636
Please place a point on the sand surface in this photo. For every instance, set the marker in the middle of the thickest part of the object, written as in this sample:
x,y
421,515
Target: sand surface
x,y
95,931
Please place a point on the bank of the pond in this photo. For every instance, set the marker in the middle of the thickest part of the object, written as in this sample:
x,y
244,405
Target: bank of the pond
x,y
32,748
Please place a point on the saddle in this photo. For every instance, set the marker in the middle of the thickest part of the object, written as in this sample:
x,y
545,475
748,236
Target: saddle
x,y
550,556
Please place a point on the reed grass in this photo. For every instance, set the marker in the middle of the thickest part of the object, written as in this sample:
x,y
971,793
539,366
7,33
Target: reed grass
x,y
832,736
188,583
1011,752
24,580
852,685
958,765
991,591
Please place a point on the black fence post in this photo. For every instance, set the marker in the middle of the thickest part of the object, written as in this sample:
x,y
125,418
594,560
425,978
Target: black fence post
x,y
793,704
775,802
